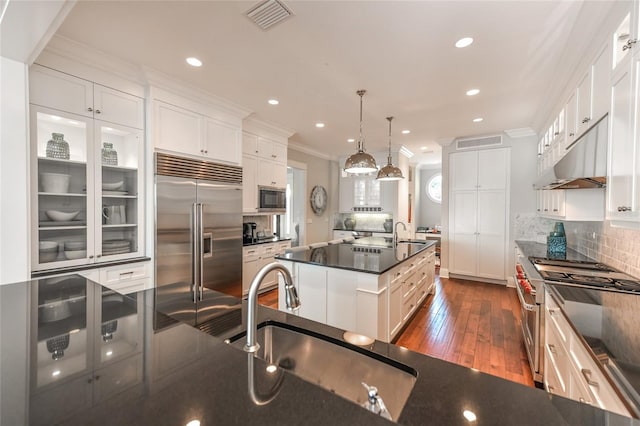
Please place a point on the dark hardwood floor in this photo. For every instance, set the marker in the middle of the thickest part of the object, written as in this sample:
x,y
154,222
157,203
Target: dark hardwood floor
x,y
470,323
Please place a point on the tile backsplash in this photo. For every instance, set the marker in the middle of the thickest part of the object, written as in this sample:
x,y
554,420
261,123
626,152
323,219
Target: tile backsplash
x,y
616,247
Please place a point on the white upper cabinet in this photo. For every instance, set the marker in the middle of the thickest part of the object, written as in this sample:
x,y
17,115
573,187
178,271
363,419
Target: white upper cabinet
x,y
464,171
272,150
67,93
485,169
601,78
184,131
177,129
583,96
571,123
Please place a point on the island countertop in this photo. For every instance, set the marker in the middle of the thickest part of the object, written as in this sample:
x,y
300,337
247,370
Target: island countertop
x,y
372,255
170,373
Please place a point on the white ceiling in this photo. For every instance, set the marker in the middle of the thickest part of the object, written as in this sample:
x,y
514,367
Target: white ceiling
x,y
401,52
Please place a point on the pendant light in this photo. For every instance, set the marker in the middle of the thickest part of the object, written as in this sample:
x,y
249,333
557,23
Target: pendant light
x,y
360,162
389,172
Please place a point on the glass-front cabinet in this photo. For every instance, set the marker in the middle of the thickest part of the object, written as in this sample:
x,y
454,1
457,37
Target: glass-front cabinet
x,y
86,345
87,185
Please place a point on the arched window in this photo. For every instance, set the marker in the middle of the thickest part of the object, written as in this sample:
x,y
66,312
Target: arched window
x,y
434,188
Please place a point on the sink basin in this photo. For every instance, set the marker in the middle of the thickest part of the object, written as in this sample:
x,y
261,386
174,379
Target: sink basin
x,y
333,364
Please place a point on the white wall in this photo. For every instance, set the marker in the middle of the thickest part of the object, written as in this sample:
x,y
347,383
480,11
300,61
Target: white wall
x,y
323,172
14,172
429,212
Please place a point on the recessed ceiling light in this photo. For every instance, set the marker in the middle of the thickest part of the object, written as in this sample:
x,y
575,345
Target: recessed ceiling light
x,y
406,132
319,125
194,62
194,423
273,101
464,42
477,120
351,140
472,92
424,148
469,415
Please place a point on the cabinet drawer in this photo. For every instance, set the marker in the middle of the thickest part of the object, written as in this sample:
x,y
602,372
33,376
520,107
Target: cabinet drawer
x,y
408,286
124,273
250,253
556,320
267,250
126,287
408,306
281,247
556,350
553,381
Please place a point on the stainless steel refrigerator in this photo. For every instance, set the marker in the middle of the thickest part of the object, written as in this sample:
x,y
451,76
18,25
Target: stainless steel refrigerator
x,y
198,238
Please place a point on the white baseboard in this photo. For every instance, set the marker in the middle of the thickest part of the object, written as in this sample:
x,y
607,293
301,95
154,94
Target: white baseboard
x,y
444,273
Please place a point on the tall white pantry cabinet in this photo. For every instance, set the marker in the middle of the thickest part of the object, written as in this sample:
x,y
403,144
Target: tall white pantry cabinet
x,y
478,208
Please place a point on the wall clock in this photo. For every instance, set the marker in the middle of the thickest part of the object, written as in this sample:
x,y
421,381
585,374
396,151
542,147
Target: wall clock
x,y
318,199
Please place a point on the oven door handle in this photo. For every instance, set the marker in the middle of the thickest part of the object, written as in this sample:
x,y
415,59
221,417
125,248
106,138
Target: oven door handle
x,y
525,305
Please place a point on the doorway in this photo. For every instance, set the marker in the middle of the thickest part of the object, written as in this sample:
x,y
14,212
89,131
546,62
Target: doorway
x,y
295,218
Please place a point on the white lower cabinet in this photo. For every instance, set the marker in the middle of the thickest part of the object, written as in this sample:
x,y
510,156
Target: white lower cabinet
x,y
383,303
569,370
254,258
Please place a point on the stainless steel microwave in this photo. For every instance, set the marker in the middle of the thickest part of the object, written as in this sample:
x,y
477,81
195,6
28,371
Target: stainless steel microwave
x,y
272,199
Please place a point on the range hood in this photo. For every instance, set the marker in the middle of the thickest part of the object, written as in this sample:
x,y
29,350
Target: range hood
x,y
585,163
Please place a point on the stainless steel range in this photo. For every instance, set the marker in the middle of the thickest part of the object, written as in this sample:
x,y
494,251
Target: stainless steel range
x,y
584,274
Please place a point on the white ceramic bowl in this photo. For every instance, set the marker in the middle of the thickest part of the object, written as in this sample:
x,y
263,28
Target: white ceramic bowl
x,y
55,182
48,256
59,216
75,254
48,245
112,186
75,245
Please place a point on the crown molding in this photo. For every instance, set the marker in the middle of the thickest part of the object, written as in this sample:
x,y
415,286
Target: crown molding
x,y
78,52
310,151
262,127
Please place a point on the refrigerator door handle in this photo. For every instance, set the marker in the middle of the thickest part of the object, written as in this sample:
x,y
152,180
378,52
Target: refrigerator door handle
x,y
195,246
201,237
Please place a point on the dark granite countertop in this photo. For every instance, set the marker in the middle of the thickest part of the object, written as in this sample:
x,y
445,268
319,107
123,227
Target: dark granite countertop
x,y
607,323
377,231
372,255
151,370
265,241
532,248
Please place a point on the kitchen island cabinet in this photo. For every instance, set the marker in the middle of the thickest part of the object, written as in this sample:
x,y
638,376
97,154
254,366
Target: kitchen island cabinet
x,y
210,381
367,286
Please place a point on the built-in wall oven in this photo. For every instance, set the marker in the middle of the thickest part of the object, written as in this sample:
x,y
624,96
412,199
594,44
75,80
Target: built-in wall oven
x,y
272,200
530,288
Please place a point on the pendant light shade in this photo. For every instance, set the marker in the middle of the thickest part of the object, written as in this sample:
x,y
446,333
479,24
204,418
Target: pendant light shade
x,y
360,162
389,172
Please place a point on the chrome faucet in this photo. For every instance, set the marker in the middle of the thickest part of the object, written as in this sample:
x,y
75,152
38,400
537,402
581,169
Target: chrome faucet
x,y
290,297
375,403
395,232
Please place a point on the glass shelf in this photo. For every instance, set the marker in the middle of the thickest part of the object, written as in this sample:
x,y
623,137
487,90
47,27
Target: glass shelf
x,y
61,161
120,196
124,225
61,194
121,168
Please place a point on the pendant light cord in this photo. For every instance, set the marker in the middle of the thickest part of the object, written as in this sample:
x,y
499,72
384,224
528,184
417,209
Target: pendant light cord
x,y
389,157
361,138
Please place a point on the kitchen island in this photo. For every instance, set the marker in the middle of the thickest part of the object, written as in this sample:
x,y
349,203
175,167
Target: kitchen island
x,y
369,286
170,373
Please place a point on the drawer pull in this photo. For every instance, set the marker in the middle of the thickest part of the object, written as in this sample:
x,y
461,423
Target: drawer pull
x,y
552,389
586,373
126,274
552,348
552,311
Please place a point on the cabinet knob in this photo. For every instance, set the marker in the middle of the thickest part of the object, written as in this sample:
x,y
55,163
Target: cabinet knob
x,y
555,210
624,209
628,45
91,257
99,255
556,133
586,373
206,151
90,109
98,111
586,120
552,348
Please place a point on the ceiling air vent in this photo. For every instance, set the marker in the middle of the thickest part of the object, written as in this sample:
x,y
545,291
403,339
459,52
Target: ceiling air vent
x,y
479,142
268,13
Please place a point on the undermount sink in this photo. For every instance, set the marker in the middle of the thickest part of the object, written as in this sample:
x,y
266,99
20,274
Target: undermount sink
x,y
332,364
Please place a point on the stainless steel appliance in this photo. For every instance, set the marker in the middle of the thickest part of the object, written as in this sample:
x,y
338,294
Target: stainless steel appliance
x,y
272,200
198,237
249,232
530,289
585,274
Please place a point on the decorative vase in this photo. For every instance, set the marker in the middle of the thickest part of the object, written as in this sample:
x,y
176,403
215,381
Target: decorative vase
x,y
349,223
388,225
57,147
558,229
109,155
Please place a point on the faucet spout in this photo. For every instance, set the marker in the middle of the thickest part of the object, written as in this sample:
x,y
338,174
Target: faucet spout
x,y
291,299
395,232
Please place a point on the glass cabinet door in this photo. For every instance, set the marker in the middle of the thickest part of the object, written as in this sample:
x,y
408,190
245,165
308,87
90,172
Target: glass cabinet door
x,y
62,186
118,187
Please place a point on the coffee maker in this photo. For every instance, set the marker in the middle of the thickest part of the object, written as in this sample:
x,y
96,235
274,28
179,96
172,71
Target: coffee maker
x,y
249,232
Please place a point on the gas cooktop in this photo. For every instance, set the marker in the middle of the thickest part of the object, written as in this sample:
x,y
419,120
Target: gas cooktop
x,y
585,274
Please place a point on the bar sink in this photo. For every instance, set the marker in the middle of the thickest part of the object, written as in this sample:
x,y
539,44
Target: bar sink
x,y
333,364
